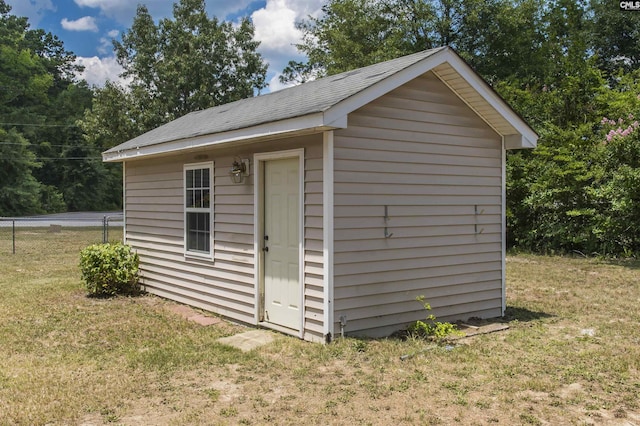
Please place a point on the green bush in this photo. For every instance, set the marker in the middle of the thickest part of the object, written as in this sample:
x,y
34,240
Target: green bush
x,y
109,269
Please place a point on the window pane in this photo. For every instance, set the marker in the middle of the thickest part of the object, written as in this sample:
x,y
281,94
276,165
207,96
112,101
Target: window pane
x,y
189,179
206,200
200,242
192,240
205,178
198,231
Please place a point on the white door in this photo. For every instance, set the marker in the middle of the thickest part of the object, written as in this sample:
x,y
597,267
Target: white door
x,y
282,287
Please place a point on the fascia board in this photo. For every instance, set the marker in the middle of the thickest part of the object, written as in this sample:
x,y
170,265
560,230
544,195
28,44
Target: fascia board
x,y
529,137
309,123
518,142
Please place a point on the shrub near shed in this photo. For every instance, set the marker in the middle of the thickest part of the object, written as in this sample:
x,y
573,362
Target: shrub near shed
x,y
109,269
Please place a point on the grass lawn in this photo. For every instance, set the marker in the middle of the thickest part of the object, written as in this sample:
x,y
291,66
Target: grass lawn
x,y
571,356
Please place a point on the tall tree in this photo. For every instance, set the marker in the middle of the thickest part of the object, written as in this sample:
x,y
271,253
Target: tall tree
x,y
614,36
41,102
349,34
179,65
500,38
562,64
24,83
19,191
175,66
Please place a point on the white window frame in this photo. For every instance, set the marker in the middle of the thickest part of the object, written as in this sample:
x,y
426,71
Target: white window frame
x,y
189,252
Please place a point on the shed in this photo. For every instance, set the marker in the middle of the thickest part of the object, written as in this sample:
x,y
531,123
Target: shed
x,y
332,205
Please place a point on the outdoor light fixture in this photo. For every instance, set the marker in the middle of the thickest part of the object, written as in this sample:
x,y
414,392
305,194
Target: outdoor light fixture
x,y
239,169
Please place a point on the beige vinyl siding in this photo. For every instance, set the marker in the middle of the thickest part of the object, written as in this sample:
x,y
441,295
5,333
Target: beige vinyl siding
x,y
155,228
313,256
424,154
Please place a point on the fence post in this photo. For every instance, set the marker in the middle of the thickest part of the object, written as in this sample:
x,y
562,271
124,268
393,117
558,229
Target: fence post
x,y
13,237
104,230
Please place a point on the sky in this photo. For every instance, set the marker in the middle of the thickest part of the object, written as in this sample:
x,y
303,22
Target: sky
x,y
87,28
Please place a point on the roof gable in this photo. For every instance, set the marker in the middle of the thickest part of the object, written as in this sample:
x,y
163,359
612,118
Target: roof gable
x,y
325,104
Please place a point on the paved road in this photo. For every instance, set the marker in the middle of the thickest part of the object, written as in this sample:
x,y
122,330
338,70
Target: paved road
x,y
65,219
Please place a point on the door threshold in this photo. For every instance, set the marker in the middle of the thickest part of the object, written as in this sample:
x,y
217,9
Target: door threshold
x,y
280,328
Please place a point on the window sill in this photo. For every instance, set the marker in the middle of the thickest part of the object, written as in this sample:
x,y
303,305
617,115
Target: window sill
x,y
198,257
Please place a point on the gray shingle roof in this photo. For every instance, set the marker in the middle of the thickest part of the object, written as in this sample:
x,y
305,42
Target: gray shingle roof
x,y
308,98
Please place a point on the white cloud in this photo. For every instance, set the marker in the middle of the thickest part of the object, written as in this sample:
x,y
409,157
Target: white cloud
x,y
106,43
105,46
86,23
278,35
98,70
275,27
276,23
32,9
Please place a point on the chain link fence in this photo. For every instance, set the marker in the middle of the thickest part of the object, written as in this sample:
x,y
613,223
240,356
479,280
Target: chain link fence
x,y
26,235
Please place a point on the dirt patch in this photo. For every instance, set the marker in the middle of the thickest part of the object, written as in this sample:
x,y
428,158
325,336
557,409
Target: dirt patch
x,y
478,327
521,259
191,314
619,417
570,391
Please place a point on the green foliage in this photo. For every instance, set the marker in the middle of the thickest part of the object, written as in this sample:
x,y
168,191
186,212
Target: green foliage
x,y
553,206
573,193
617,193
298,72
51,160
71,163
578,190
350,34
48,165
109,269
499,37
614,36
561,64
19,190
432,329
177,66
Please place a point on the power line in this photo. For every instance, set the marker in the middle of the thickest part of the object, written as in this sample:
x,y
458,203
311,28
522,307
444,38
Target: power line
x,y
57,158
38,125
34,145
68,158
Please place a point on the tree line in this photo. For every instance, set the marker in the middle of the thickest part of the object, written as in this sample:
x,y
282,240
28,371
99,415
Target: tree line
x,y
53,128
570,68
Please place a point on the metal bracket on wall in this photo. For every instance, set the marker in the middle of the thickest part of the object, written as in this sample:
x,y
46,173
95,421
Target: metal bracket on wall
x,y
475,225
386,219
